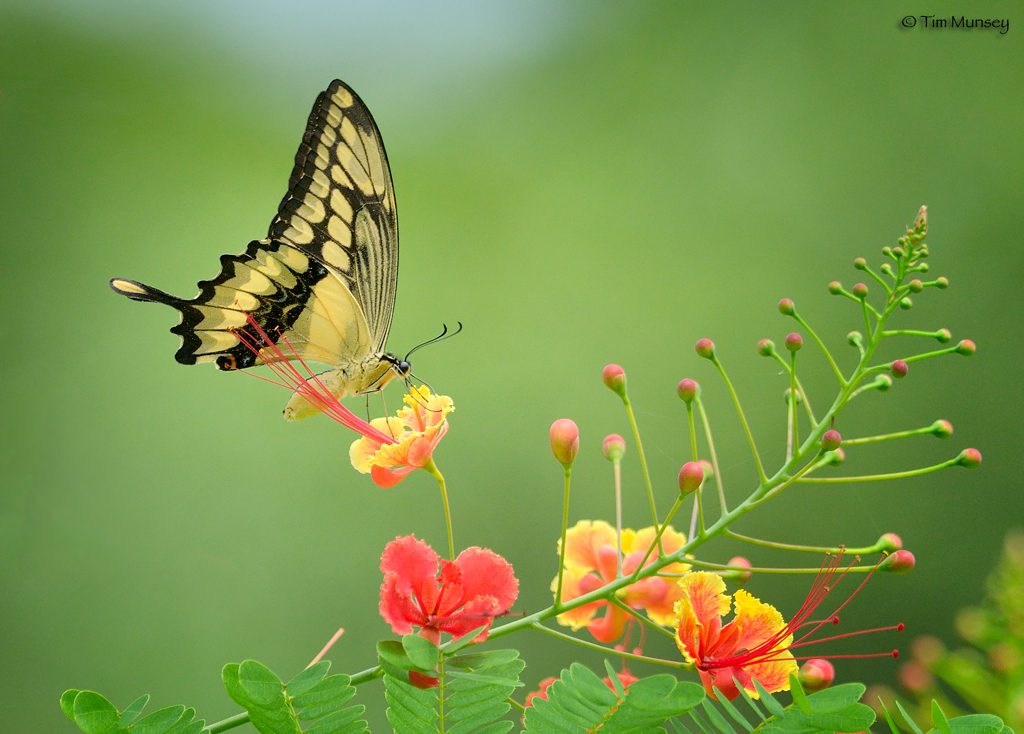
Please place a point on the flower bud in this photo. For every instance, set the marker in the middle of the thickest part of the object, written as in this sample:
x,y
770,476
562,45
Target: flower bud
x,y
887,251
902,561
613,447
899,369
708,470
565,441
916,677
906,304
688,390
614,378
942,282
943,335
816,675
898,251
883,383
923,267
942,429
738,577
766,347
835,287
887,270
916,286
838,457
786,307
860,263
794,341
860,290
831,440
705,348
787,395
969,458
890,542
854,339
922,218
690,477
965,347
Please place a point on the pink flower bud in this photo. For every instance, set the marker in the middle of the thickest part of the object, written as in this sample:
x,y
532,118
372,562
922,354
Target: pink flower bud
x,y
898,251
902,561
835,287
838,457
942,282
899,369
614,378
706,466
891,542
690,477
860,290
860,263
786,307
943,336
816,675
565,441
766,347
942,429
794,341
613,447
739,577
705,348
688,390
915,677
916,286
831,440
887,251
965,347
969,458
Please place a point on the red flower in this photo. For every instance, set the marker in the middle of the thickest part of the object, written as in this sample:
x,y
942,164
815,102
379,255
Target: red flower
x,y
468,593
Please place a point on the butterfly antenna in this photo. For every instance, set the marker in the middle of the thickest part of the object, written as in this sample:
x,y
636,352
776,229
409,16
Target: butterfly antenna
x,y
440,337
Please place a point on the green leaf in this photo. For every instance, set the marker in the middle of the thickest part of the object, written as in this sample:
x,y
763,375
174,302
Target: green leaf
x,y
888,717
482,659
716,719
750,702
423,653
307,678
836,698
94,714
613,677
393,653
133,710
773,706
854,718
458,644
490,679
913,725
67,702
733,711
797,691
329,689
701,724
975,724
939,718
260,683
159,721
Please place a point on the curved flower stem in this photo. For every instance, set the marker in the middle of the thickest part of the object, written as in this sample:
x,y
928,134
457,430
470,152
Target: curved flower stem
x,y
693,431
639,617
617,469
561,547
643,461
876,548
879,477
657,540
229,723
431,467
888,436
911,332
611,651
755,569
877,277
793,398
821,345
714,456
799,386
743,418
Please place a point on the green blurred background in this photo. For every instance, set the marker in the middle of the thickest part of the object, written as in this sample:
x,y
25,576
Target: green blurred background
x,y
579,184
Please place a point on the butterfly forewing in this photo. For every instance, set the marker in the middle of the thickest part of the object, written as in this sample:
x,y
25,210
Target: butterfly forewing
x,y
324,279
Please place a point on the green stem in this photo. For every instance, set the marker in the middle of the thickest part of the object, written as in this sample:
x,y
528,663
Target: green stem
x,y
799,386
821,345
565,525
643,460
813,569
714,456
881,477
432,469
440,694
657,539
876,548
743,418
516,704
887,436
911,332
609,650
229,723
639,617
693,432
617,469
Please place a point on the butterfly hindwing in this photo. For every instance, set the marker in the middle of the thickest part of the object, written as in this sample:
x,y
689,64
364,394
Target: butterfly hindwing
x,y
322,285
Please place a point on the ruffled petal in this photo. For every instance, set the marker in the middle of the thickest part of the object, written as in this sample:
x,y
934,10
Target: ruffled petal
x,y
583,540
773,674
413,562
701,603
398,609
452,595
758,623
485,573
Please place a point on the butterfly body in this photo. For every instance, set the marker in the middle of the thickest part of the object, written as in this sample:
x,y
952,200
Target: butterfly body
x,y
322,284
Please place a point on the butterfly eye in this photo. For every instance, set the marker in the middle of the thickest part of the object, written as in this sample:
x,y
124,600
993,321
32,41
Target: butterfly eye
x,y
404,367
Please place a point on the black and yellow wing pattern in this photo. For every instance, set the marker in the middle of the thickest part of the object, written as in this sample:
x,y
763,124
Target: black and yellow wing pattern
x,y
322,284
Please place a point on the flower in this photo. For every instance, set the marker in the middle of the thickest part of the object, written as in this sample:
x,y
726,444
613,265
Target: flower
x,y
591,554
467,594
416,430
757,643
754,645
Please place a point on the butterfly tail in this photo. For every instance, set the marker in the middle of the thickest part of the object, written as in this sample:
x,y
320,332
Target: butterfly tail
x,y
140,292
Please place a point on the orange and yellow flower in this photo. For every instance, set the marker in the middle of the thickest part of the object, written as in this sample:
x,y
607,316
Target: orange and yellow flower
x,y
417,429
591,561
754,645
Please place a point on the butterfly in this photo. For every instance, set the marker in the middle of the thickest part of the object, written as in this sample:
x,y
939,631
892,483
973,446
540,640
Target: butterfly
x,y
321,285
